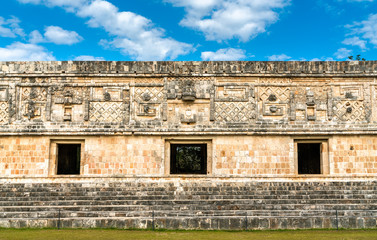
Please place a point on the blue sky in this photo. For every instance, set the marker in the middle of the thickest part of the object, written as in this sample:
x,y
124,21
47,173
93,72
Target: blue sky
x,y
187,30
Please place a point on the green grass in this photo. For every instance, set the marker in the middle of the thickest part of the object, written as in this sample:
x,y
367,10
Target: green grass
x,y
112,234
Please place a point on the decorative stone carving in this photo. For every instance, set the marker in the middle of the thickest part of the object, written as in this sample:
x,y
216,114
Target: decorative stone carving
x,y
148,110
31,110
4,112
33,102
106,112
234,112
146,97
148,101
188,91
274,101
69,103
273,109
232,93
272,98
310,98
188,116
107,96
67,113
352,111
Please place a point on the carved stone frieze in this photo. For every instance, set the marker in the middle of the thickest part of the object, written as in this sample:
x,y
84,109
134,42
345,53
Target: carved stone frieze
x,y
349,111
234,112
33,103
273,101
110,112
4,112
148,102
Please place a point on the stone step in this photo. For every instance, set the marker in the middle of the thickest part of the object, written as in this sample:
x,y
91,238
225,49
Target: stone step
x,y
183,207
166,188
203,203
54,213
205,222
116,196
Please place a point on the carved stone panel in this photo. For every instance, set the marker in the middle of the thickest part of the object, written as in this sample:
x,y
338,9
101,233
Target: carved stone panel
x,y
352,111
4,106
310,103
4,112
110,112
234,103
273,102
68,103
33,103
234,112
109,104
148,102
348,103
182,113
189,88
232,93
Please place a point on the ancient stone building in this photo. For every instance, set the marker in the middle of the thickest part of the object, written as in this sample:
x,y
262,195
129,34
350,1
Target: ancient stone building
x,y
211,145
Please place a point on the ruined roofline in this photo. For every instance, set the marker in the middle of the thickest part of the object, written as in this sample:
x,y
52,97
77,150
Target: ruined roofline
x,y
190,68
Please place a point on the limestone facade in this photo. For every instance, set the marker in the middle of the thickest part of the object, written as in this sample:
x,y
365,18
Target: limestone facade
x,y
251,116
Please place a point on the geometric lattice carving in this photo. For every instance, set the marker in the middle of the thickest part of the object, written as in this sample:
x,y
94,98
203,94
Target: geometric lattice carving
x,y
33,102
34,93
274,101
4,113
106,112
281,93
352,111
234,111
70,95
156,94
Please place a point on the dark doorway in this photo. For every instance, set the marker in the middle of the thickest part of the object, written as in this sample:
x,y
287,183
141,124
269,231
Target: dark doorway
x,y
188,158
69,158
309,158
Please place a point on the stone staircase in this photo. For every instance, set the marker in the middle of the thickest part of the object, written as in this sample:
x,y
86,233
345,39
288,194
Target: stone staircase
x,y
190,204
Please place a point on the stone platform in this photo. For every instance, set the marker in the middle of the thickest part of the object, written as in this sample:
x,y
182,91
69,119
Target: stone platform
x,y
189,204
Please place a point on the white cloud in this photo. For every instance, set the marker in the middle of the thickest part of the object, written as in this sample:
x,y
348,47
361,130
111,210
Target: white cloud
x,y
342,53
366,29
30,1
55,34
133,34
25,52
226,19
323,59
355,41
281,57
60,36
88,58
10,28
36,37
226,54
69,5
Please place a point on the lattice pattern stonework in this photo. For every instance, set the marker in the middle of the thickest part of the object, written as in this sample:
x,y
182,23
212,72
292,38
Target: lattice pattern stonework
x,y
355,114
156,94
234,111
282,93
106,112
4,114
34,93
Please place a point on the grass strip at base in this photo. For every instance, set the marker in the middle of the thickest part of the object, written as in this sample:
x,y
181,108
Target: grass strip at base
x,y
114,234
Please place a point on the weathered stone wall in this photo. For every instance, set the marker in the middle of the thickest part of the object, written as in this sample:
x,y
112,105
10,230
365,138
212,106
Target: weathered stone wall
x,y
52,98
251,116
353,155
145,156
125,113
